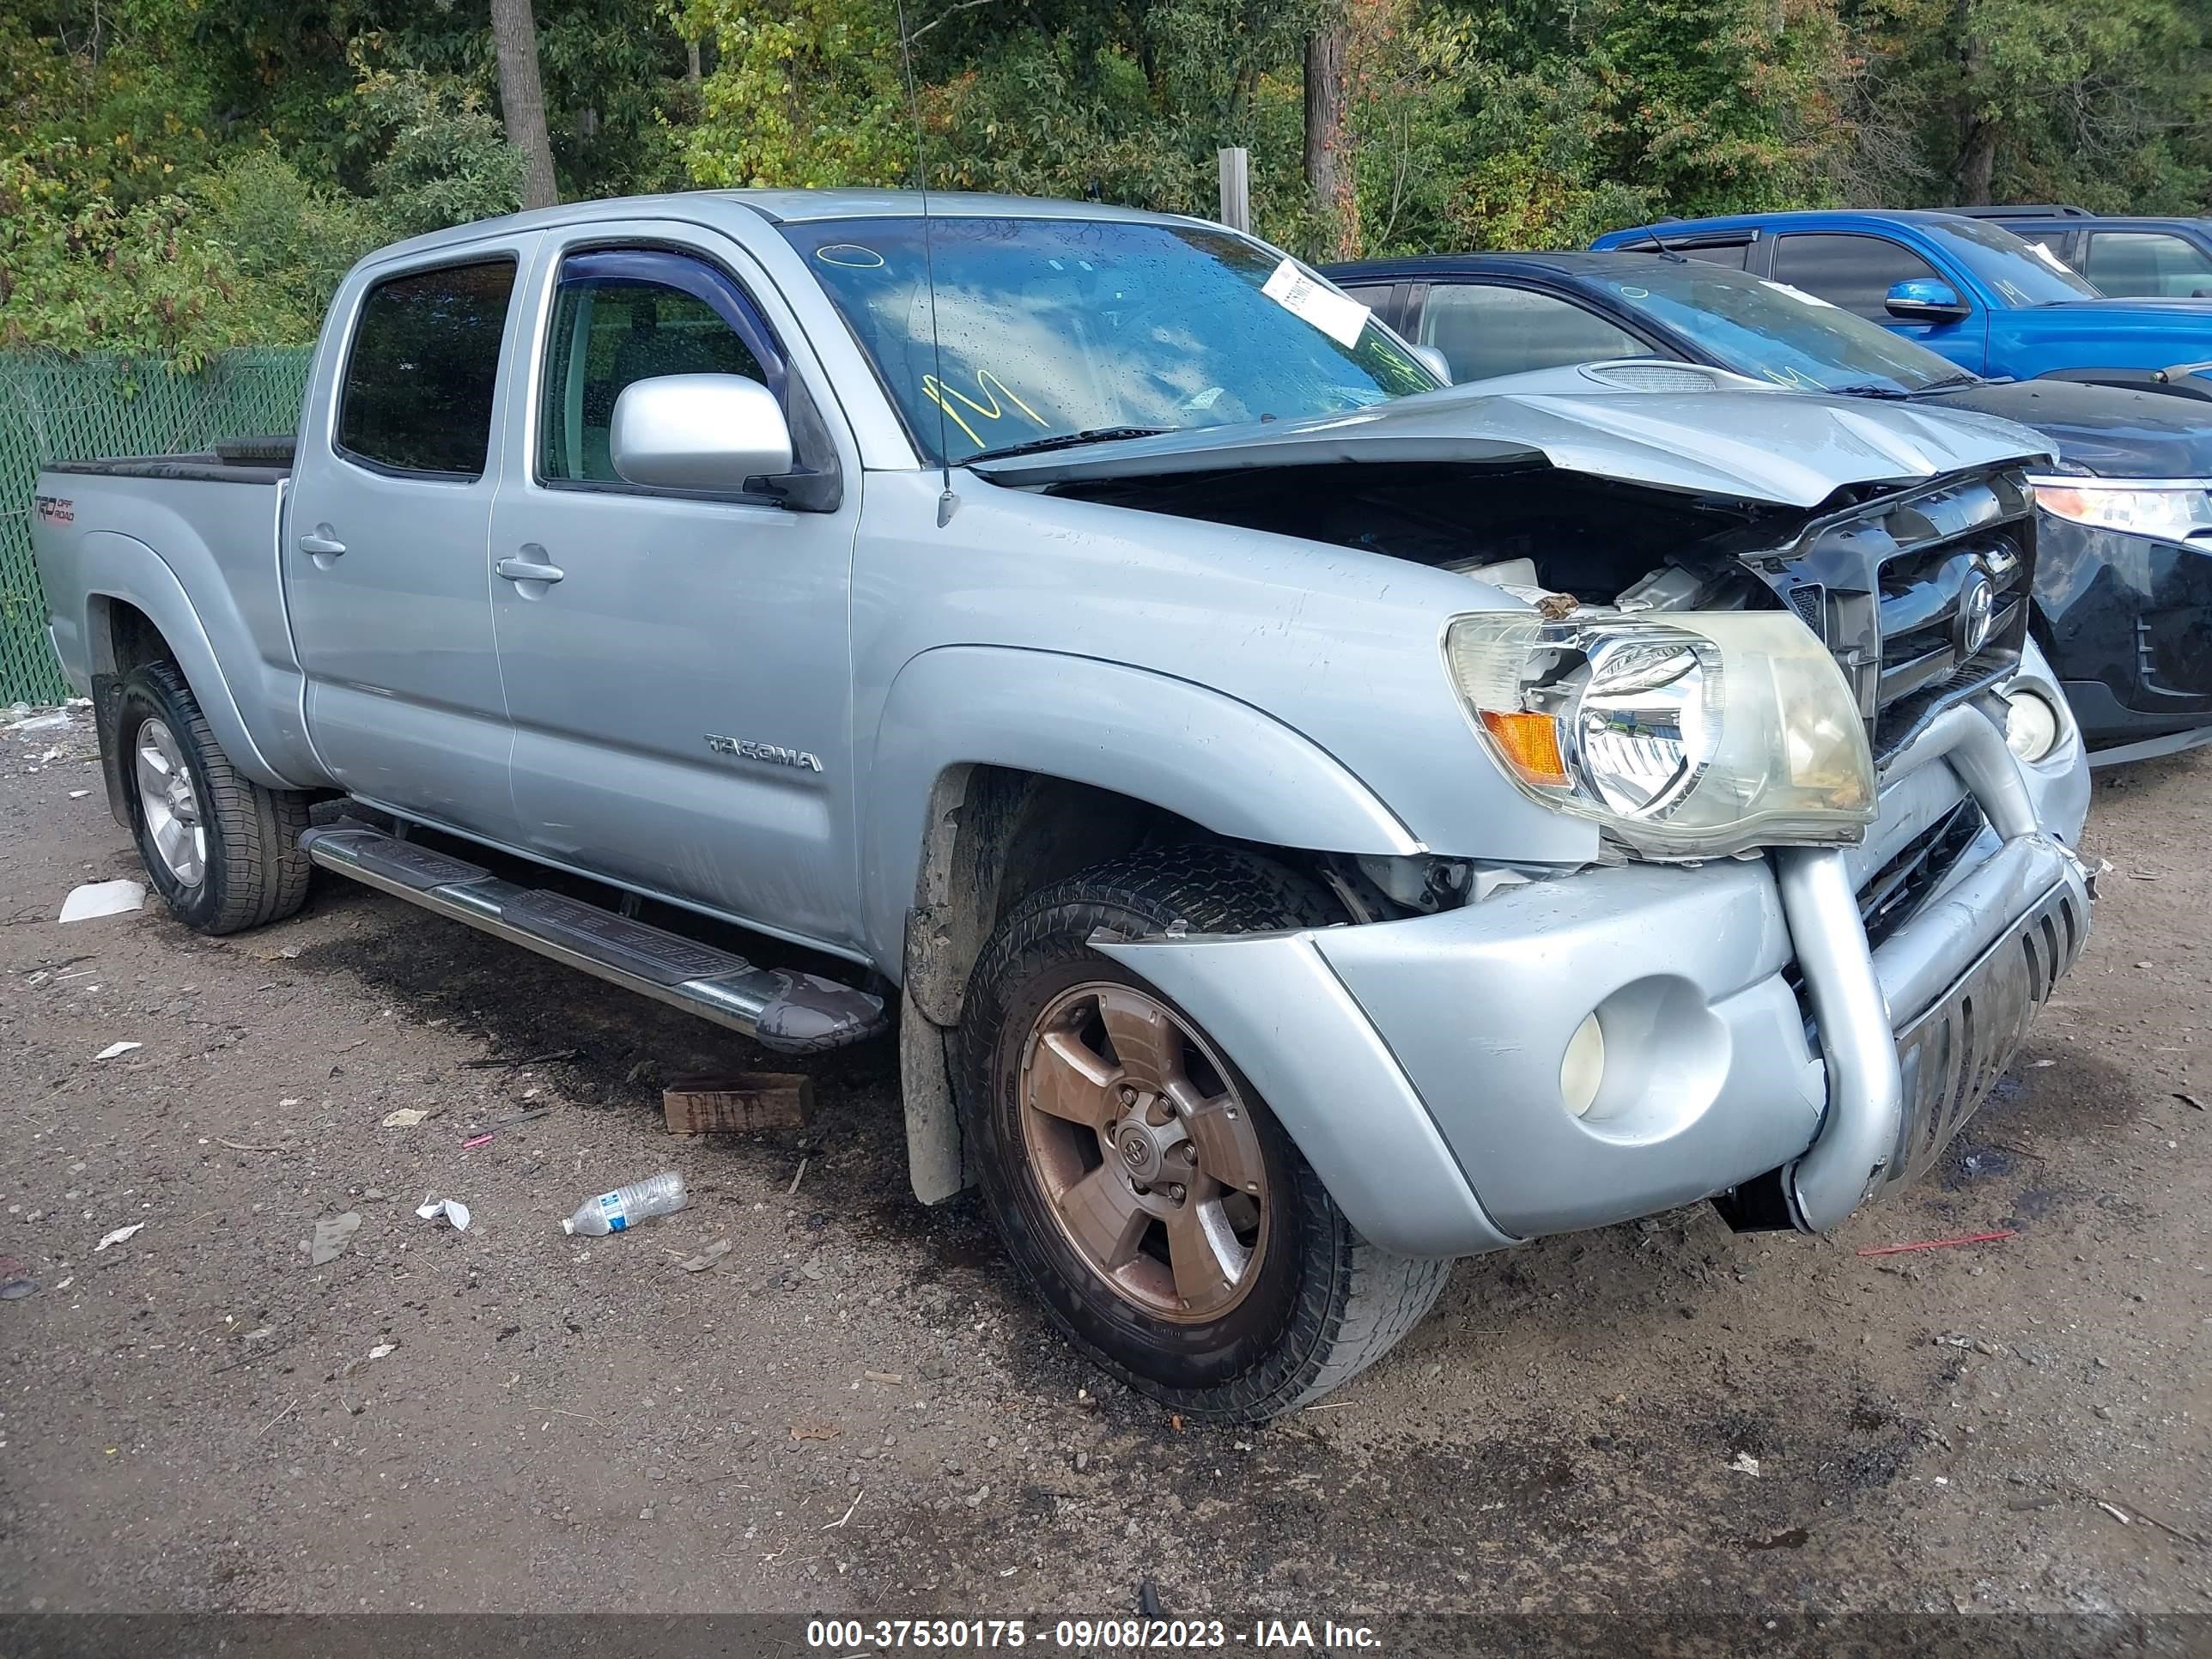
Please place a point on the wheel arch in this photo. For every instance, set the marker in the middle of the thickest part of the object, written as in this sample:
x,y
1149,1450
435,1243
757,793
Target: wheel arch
x,y
1141,743
982,790
136,611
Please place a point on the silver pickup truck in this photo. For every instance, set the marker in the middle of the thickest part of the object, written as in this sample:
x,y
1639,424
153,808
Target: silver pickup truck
x,y
1308,823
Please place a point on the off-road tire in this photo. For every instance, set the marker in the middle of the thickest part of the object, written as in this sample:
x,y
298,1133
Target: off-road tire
x,y
1327,1303
255,872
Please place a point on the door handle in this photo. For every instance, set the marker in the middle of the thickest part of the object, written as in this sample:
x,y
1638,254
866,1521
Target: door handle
x,y
529,570
321,544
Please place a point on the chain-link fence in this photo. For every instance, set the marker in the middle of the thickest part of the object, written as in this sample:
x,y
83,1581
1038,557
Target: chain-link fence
x,y
55,408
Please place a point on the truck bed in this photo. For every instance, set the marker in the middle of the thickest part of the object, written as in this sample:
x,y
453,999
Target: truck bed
x,y
261,459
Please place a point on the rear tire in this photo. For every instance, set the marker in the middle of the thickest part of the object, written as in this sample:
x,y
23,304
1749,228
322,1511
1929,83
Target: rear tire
x,y
1202,1262
222,851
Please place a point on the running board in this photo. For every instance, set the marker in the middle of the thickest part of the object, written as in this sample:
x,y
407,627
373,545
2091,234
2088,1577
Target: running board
x,y
792,1013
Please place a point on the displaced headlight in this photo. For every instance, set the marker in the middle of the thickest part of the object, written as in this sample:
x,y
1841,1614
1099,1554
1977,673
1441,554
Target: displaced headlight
x,y
2172,509
1695,737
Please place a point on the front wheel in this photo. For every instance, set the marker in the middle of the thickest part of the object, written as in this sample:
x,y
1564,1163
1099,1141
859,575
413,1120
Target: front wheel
x,y
1143,1186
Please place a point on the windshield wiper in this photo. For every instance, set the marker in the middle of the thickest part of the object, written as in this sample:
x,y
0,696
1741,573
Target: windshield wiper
x,y
1868,389
1963,378
1096,435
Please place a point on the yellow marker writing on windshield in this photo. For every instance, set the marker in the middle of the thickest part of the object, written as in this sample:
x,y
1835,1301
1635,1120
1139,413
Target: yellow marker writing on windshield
x,y
991,387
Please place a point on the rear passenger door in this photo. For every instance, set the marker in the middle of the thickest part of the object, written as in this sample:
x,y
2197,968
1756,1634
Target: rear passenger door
x,y
2130,265
386,575
1855,270
1486,330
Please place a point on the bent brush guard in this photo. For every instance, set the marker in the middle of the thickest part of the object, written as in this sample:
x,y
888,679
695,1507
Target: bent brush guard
x,y
1860,1134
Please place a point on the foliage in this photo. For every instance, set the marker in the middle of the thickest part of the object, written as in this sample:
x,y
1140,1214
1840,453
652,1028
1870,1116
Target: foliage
x,y
806,93
2106,105
445,157
178,175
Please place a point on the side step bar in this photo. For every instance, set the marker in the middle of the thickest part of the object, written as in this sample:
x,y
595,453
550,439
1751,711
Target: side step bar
x,y
792,1013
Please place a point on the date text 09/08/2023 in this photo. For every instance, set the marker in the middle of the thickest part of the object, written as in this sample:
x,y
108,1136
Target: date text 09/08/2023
x,y
1084,1635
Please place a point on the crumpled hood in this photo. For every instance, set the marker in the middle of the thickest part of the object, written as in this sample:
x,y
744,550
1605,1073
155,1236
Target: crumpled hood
x,y
1741,440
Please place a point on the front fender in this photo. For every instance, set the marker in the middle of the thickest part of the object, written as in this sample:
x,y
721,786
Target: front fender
x,y
1167,742
111,567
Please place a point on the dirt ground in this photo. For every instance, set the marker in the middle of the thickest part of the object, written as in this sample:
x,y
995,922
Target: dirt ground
x,y
855,1409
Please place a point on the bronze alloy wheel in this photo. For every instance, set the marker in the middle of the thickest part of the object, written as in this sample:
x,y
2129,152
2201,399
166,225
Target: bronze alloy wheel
x,y
1145,1151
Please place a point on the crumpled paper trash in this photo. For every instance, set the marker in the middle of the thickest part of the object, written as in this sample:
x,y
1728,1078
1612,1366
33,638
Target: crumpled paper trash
x,y
451,1208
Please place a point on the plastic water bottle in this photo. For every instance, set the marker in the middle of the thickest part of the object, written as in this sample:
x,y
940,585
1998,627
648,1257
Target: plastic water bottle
x,y
624,1207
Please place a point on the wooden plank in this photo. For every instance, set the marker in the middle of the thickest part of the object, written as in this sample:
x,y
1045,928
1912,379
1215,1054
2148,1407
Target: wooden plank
x,y
737,1104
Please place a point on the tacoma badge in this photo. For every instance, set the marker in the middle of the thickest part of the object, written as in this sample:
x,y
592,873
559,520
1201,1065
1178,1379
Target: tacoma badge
x,y
775,753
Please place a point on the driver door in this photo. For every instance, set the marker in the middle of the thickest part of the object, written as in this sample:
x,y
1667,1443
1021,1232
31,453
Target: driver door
x,y
675,662
1856,272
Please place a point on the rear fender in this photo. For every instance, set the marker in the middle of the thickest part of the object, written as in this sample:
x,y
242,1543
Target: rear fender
x,y
112,567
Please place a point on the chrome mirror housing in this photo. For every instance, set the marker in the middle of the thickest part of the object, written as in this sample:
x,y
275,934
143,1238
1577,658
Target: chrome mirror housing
x,y
698,432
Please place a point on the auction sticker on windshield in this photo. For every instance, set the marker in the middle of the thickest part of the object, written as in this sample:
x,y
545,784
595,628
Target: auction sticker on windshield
x,y
2042,251
1334,314
1799,295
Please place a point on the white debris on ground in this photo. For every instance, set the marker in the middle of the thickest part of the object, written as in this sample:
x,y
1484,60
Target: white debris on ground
x,y
451,1208
102,898
21,719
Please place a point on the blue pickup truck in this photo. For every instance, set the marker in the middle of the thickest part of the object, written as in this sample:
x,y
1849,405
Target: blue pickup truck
x,y
1965,288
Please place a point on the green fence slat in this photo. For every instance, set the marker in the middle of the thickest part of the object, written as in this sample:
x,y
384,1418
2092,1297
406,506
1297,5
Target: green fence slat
x,y
68,409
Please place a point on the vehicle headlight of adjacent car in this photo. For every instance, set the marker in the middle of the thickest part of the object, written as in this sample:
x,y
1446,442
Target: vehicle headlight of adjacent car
x,y
2174,509
1701,735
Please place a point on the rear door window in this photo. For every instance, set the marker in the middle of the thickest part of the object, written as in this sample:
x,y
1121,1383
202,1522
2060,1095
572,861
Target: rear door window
x,y
423,367
2130,265
1484,332
1854,271
1731,254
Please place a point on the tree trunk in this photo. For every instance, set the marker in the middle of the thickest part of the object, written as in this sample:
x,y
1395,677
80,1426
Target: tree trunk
x,y
1977,129
1328,169
1978,163
522,98
691,63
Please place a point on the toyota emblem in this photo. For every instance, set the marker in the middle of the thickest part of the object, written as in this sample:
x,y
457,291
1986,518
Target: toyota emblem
x,y
1978,605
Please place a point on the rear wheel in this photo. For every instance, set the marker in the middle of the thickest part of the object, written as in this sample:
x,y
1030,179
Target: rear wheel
x,y
1142,1185
222,851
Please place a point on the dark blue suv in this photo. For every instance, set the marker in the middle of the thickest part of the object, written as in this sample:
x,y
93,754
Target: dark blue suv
x,y
2127,258
1963,287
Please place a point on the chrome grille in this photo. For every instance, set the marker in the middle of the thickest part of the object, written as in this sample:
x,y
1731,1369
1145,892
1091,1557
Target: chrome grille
x,y
1924,598
1895,893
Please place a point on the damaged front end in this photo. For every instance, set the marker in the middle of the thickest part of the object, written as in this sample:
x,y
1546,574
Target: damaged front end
x,y
1834,883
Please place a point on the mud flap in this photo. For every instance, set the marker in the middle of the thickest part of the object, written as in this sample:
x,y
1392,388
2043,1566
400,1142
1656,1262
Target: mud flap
x,y
934,1160
106,712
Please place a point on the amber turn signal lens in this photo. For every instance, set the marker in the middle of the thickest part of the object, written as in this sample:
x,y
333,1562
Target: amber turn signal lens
x,y
1531,742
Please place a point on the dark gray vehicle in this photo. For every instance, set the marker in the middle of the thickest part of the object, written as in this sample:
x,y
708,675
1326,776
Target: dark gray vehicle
x,y
1362,824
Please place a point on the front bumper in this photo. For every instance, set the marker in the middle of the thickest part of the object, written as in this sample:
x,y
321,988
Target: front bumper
x,y
2129,624
1417,1063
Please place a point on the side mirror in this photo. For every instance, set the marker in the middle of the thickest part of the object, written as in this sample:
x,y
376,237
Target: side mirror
x,y
698,432
1925,300
1437,361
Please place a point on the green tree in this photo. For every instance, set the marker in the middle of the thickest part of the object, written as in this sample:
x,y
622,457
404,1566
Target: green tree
x,y
806,95
2005,99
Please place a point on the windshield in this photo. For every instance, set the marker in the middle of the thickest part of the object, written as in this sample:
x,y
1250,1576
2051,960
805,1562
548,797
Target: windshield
x,y
1778,333
2020,273
1049,328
